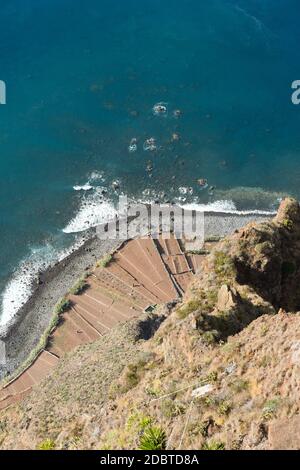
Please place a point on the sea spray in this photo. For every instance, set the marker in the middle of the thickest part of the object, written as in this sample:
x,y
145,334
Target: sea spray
x,y
25,279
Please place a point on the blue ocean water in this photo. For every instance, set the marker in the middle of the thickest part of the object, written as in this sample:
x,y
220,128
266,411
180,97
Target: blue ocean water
x,y
82,79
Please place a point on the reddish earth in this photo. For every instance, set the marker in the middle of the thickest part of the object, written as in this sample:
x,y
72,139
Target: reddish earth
x,y
142,272
22,385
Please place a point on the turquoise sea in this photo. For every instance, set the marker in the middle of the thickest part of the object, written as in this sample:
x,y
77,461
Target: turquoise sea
x,y
82,78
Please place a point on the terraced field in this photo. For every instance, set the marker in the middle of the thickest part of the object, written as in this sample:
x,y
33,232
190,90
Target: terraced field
x,y
141,273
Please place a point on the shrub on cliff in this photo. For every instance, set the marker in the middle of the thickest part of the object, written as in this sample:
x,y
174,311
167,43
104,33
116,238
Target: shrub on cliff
x,y
154,438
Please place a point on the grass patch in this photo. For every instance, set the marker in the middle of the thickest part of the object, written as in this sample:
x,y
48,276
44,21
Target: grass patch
x,y
265,361
171,408
138,422
231,348
133,375
62,306
79,286
153,438
104,262
47,444
212,239
213,445
204,426
131,378
287,223
210,337
202,251
154,390
264,330
187,309
224,266
205,300
270,409
212,297
3,425
239,385
224,408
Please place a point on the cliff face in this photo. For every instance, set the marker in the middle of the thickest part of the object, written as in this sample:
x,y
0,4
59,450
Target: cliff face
x,y
253,272
220,370
267,257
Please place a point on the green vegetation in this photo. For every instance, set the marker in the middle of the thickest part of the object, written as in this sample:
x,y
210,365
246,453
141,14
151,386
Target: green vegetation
x,y
138,422
210,337
288,224
141,431
188,308
213,445
204,301
102,263
133,374
212,239
203,427
47,444
154,438
212,297
172,408
220,406
202,251
3,425
224,266
264,330
270,409
79,286
211,377
129,435
132,377
239,385
224,408
265,361
62,306
231,348
154,390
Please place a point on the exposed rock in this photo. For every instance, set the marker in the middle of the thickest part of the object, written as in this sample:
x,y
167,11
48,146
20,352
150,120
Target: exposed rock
x,y
202,391
266,257
227,298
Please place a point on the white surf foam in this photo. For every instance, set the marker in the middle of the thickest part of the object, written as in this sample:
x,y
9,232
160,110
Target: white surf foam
x,y
24,281
16,293
94,210
94,177
222,206
84,187
185,190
